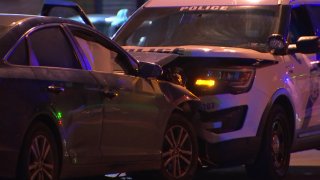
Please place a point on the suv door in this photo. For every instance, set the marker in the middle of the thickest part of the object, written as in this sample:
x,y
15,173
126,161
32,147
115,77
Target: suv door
x,y
132,113
66,91
304,70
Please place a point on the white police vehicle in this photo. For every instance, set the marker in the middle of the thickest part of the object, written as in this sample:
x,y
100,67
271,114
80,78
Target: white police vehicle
x,y
253,63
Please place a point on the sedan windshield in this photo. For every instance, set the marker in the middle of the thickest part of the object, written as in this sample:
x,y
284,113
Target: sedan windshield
x,y
235,26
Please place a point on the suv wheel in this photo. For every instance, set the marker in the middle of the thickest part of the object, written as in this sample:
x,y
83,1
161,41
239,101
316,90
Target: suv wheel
x,y
39,158
180,149
273,159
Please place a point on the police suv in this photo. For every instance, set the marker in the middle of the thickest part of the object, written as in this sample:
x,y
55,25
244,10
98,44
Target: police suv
x,y
255,64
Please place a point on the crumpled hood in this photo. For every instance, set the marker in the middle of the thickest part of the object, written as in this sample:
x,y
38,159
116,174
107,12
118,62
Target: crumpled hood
x,y
163,55
154,57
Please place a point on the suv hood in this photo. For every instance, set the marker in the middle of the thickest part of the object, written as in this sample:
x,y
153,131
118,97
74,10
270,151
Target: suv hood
x,y
164,55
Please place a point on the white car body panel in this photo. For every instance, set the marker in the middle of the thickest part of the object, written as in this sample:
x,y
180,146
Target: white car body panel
x,y
300,85
168,3
208,3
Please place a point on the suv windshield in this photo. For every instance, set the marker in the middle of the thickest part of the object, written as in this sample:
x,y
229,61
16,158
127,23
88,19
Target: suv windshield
x,y
234,26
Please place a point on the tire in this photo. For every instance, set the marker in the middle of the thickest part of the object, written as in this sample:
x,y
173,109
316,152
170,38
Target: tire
x,y
180,149
272,162
39,155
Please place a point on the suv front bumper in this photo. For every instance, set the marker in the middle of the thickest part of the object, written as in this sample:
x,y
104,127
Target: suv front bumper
x,y
228,126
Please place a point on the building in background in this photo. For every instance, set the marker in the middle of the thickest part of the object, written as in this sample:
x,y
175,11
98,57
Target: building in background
x,y
109,6
21,6
90,6
109,15
106,15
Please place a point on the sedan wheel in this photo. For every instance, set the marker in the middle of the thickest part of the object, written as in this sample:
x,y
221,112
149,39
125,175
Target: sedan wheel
x,y
39,155
180,149
41,161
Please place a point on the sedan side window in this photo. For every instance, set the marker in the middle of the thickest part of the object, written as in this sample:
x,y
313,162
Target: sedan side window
x,y
19,55
98,55
50,47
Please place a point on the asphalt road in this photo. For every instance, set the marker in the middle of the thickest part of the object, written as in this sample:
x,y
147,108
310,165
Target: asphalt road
x,y
304,166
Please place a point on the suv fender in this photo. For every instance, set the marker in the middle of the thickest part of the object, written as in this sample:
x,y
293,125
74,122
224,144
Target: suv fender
x,y
282,97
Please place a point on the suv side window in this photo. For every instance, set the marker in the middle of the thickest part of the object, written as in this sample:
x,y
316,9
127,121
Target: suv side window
x,y
50,47
99,56
19,55
300,24
314,11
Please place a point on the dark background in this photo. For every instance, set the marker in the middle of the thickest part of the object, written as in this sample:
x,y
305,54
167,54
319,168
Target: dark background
x,y
89,6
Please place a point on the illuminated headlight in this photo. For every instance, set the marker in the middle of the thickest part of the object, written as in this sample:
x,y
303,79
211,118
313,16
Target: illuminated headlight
x,y
219,81
205,82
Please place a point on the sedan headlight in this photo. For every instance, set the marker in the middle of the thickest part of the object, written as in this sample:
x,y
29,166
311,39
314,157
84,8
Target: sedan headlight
x,y
220,81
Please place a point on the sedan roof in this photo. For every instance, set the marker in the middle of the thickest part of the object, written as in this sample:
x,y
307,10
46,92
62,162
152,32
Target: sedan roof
x,y
13,26
11,19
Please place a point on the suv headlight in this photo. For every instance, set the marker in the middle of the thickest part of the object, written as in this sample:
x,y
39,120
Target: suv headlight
x,y
220,81
175,75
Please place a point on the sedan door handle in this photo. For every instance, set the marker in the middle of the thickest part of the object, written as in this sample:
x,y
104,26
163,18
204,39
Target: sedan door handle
x,y
111,94
55,89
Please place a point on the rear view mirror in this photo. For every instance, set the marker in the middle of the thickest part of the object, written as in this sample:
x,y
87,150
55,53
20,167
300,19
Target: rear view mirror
x,y
276,44
149,70
308,44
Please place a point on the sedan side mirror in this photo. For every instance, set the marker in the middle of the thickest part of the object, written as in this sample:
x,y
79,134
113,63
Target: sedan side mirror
x,y
149,70
308,44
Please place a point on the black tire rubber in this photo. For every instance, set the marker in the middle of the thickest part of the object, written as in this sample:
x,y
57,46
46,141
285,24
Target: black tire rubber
x,y
272,162
181,154
39,155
